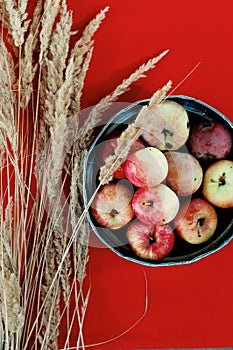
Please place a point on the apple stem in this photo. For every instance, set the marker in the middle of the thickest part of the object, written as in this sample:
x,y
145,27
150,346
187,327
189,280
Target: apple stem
x,y
151,240
113,213
221,180
148,203
206,125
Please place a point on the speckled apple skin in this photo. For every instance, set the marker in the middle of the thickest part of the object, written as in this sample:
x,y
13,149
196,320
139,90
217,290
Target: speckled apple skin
x,y
217,194
146,167
111,197
163,204
167,128
185,173
150,242
186,221
210,141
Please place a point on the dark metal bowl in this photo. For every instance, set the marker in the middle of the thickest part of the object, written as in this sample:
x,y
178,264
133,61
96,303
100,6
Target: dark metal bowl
x,y
116,240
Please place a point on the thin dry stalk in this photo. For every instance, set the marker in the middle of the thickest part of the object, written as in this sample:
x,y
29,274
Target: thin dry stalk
x,y
56,91
76,207
130,135
86,132
80,341
61,77
2,335
57,85
56,106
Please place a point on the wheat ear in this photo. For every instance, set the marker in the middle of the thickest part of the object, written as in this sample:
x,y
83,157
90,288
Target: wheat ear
x,y
86,132
130,135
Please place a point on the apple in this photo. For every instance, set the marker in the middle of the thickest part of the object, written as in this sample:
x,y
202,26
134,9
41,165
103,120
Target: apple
x,y
112,207
156,205
109,149
210,141
196,221
150,242
146,167
167,127
184,173
218,183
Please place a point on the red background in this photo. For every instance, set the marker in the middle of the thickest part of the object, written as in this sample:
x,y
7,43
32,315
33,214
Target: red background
x,y
190,305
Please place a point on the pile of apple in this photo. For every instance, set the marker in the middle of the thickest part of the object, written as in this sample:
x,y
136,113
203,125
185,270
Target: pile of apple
x,y
162,168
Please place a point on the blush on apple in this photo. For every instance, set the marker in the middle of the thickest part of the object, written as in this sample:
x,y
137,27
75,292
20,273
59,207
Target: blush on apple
x,y
146,167
196,221
109,149
218,184
156,205
150,242
210,141
111,206
184,173
167,127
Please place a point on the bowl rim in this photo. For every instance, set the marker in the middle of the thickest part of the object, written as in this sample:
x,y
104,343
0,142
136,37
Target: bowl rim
x,y
95,141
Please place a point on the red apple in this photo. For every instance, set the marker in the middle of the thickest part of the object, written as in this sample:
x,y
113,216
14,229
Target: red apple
x,y
111,206
150,242
109,149
167,128
184,173
157,205
146,167
196,221
218,184
210,141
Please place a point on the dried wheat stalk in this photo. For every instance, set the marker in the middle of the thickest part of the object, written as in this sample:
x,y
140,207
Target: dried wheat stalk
x,y
57,83
81,54
51,311
61,73
11,309
130,135
18,23
27,65
2,335
50,12
86,132
56,90
8,99
4,17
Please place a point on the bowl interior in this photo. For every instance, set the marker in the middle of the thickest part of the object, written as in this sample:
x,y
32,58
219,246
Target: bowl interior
x,y
116,240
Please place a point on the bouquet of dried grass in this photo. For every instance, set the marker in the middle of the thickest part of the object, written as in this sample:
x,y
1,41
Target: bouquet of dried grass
x,y
44,233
